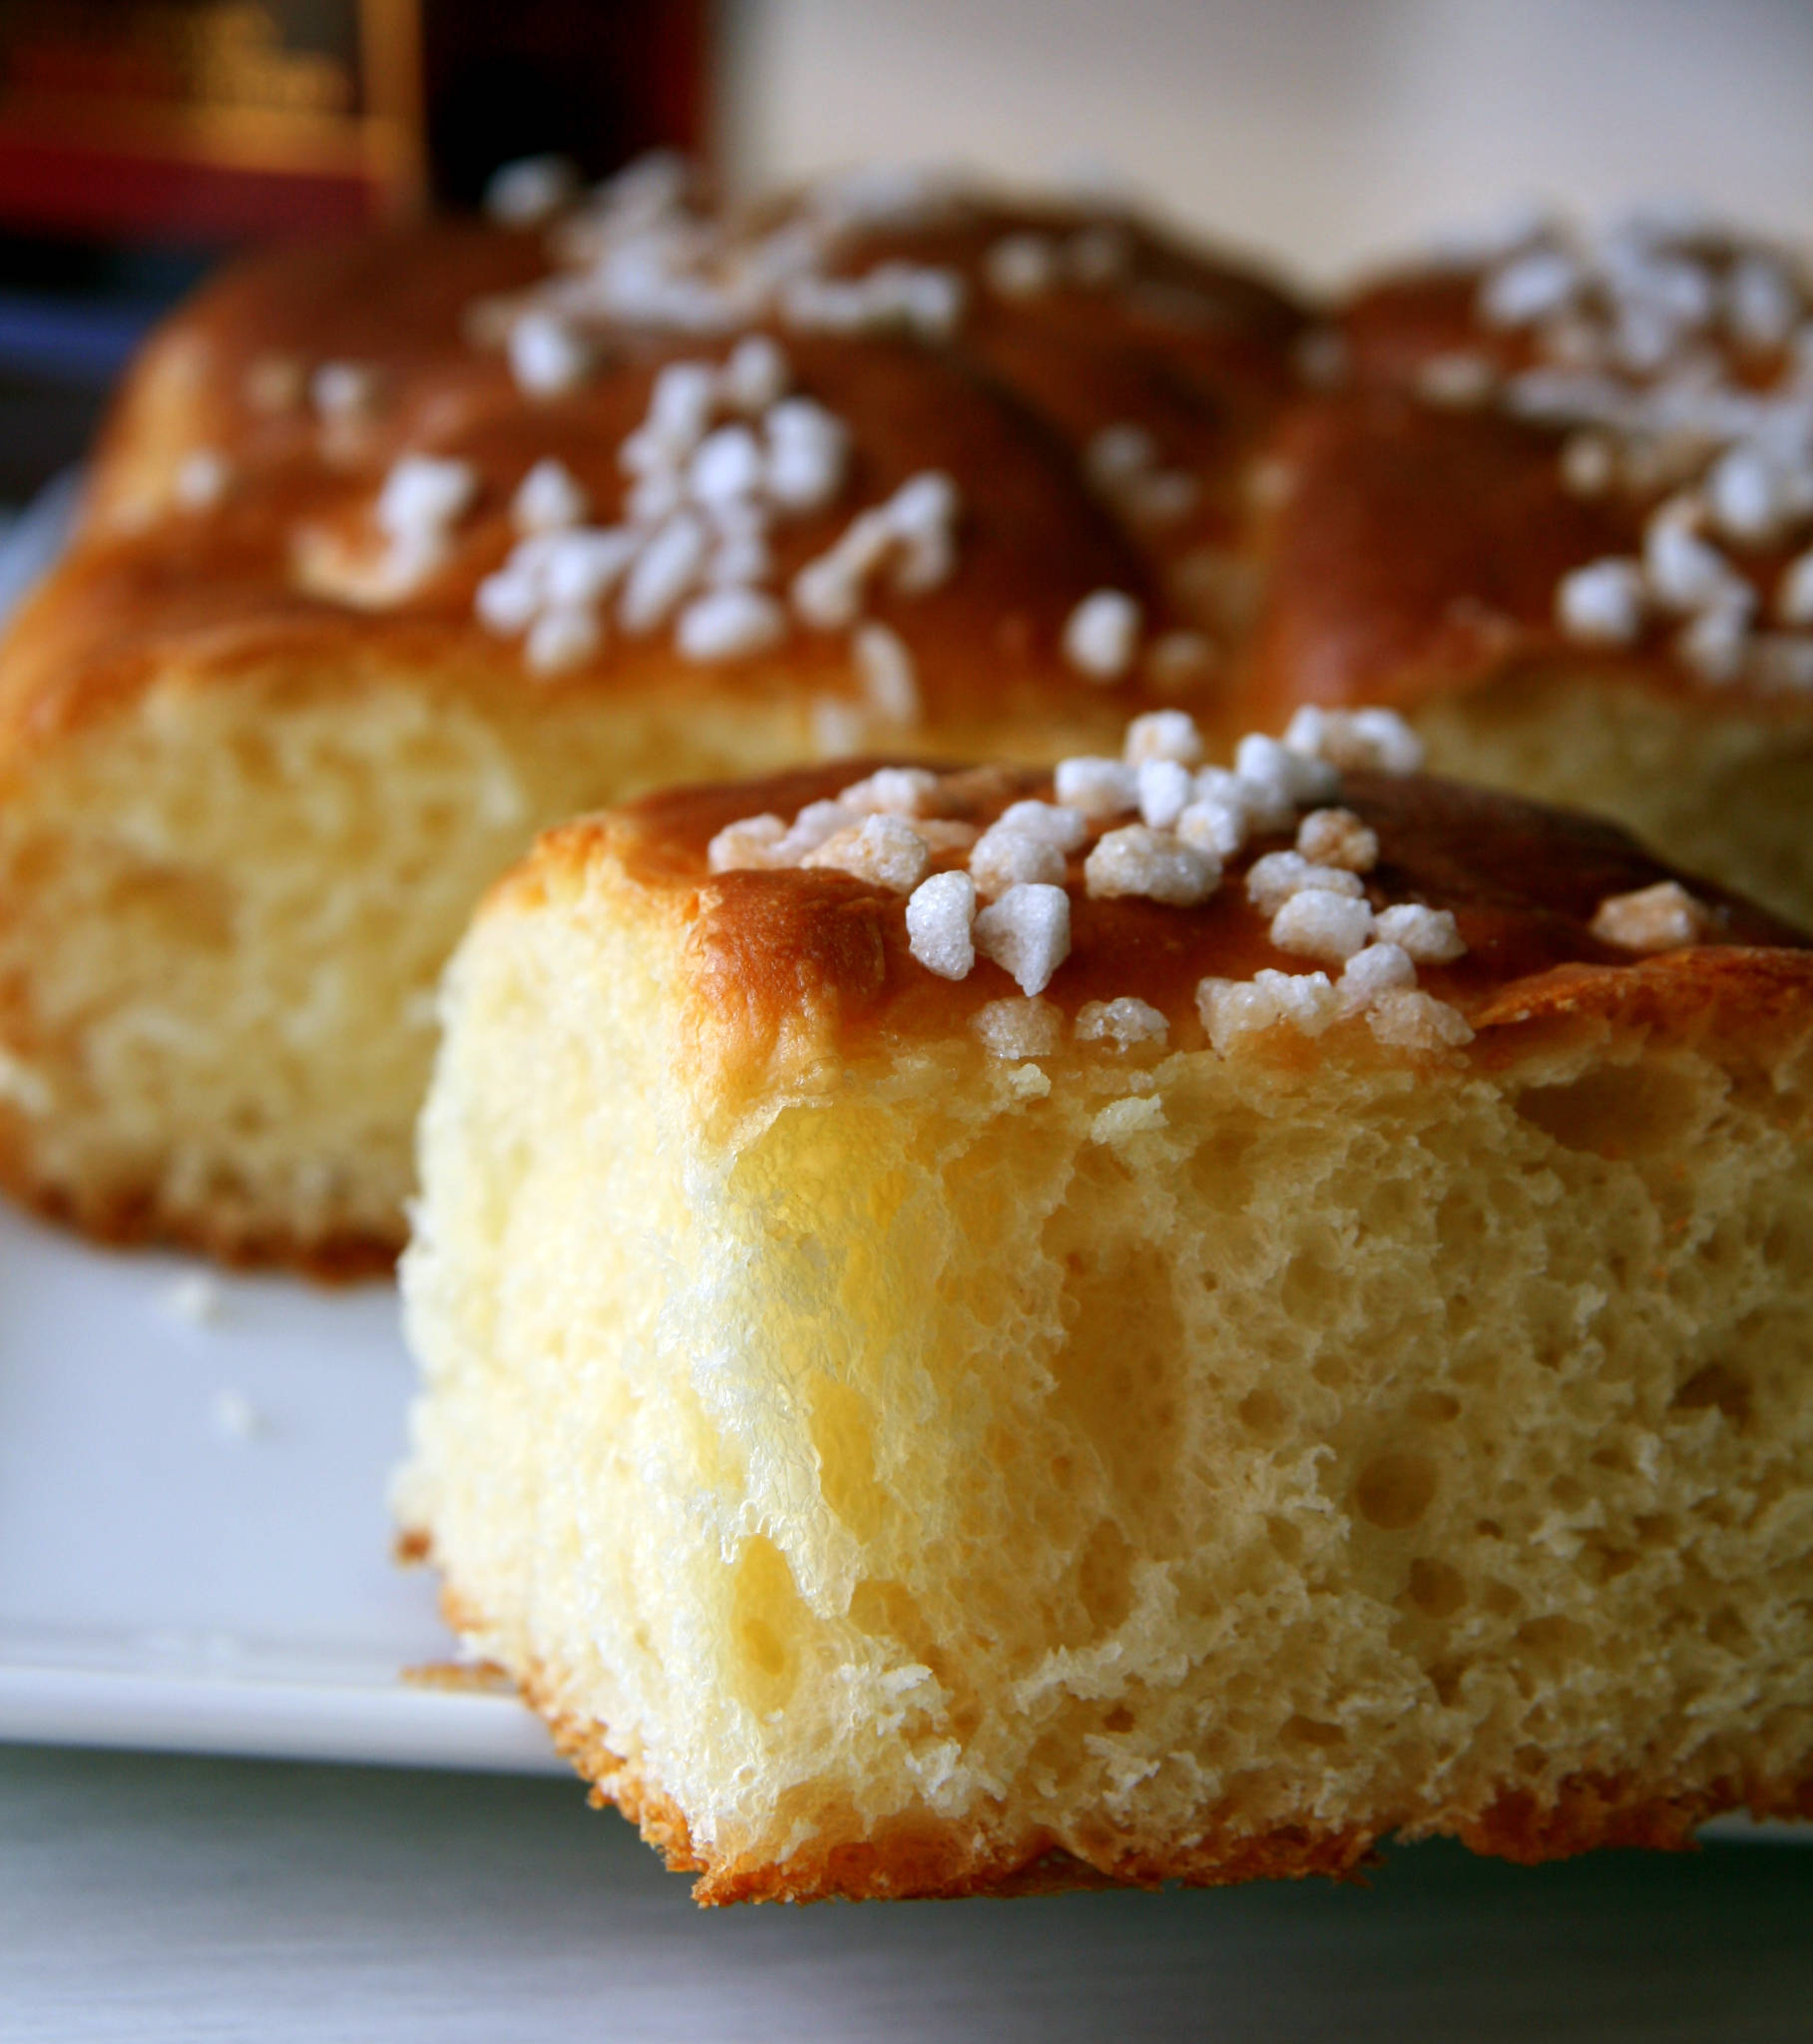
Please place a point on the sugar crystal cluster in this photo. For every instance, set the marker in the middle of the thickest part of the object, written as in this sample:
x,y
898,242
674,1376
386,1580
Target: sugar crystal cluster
x,y
1010,899
1677,360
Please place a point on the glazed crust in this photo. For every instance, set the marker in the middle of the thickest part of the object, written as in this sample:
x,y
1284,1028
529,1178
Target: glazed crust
x,y
1416,552
1414,544
1524,883
1198,352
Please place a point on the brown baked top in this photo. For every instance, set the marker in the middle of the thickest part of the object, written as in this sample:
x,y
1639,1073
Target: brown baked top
x,y
1595,449
1591,450
250,495
1551,913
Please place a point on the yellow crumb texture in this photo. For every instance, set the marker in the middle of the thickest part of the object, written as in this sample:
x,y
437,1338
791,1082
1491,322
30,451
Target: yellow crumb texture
x,y
223,912
1318,1441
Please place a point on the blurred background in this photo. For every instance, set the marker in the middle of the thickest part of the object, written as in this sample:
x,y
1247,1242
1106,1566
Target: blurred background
x,y
139,138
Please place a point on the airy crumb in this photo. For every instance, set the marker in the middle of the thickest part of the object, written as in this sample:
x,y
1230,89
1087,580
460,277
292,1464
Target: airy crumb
x,y
1665,917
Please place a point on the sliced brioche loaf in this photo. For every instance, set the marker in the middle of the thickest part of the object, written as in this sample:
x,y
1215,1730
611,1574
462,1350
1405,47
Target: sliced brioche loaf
x,y
934,1401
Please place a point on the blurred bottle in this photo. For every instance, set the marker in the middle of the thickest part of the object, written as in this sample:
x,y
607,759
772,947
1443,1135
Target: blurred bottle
x,y
138,138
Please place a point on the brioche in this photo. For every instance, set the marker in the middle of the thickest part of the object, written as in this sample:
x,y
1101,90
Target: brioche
x,y
1556,510
398,550
982,1330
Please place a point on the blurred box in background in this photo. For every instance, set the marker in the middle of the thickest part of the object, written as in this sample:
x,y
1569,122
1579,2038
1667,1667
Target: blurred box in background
x,y
138,138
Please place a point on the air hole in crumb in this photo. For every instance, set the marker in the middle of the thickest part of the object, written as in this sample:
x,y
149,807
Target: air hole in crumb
x,y
1436,1588
1395,1490
1626,1111
1285,1538
1263,1413
1717,1385
764,1621
1615,1562
1725,1629
1314,1732
1119,1719
1105,1577
1445,1678
1531,1760
1433,1407
1551,1641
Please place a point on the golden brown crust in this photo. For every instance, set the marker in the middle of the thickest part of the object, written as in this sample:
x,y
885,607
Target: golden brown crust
x,y
1416,542
1416,551
1197,351
770,952
216,593
126,1216
922,1859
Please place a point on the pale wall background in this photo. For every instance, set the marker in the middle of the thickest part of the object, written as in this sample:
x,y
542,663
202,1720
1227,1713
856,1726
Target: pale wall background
x,y
1331,133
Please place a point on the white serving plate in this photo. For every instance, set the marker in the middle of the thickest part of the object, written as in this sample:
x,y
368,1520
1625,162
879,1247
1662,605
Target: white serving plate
x,y
194,1548
195,1551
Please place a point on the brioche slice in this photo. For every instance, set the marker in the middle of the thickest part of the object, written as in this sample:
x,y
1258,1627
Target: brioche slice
x,y
402,549
1116,1350
1560,512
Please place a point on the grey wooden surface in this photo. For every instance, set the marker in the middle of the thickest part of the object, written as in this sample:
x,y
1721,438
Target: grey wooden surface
x,y
154,1898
